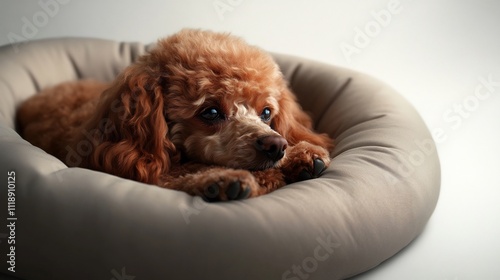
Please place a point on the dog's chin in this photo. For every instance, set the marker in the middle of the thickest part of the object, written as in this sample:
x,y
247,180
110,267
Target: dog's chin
x,y
256,166
262,166
238,163
251,166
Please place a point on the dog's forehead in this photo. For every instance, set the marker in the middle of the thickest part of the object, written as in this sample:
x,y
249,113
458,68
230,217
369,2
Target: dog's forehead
x,y
250,88
247,100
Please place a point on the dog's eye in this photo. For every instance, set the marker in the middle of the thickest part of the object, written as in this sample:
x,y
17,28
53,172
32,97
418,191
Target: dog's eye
x,y
211,114
266,115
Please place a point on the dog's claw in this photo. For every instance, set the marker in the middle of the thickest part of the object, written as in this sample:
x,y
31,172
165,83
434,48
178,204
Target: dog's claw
x,y
244,194
319,167
233,190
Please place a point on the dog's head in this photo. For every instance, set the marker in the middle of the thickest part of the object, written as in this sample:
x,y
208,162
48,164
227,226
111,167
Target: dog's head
x,y
205,97
223,96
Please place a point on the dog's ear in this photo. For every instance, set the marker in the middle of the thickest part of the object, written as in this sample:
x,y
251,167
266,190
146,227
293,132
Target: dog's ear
x,y
129,131
295,125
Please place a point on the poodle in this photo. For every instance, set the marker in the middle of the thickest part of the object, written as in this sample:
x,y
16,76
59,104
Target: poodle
x,y
203,112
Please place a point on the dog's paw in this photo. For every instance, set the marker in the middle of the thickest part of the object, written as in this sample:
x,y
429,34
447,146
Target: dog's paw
x,y
305,161
230,185
309,173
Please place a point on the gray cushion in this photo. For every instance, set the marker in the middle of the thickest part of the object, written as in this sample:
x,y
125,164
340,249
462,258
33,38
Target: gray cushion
x,y
73,223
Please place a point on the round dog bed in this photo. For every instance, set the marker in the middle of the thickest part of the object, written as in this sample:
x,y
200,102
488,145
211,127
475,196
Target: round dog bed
x,y
72,223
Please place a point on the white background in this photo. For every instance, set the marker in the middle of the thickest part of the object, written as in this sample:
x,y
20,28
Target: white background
x,y
434,52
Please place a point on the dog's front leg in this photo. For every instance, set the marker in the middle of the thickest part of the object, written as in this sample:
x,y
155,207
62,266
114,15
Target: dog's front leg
x,y
269,180
212,183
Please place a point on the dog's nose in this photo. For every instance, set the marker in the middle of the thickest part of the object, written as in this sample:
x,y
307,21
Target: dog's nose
x,y
273,146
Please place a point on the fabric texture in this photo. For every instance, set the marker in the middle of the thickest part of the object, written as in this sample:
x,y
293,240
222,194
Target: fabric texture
x,y
72,223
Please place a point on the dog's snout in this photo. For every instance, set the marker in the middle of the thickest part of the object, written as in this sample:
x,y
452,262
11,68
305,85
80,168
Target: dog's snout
x,y
273,146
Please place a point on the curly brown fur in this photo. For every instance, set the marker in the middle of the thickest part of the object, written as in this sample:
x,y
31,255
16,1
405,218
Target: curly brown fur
x,y
203,112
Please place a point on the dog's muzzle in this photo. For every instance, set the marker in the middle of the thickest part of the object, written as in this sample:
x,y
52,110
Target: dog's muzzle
x,y
272,146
